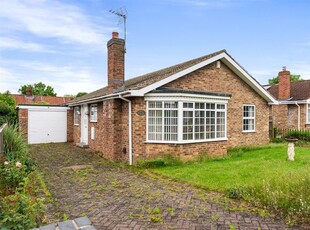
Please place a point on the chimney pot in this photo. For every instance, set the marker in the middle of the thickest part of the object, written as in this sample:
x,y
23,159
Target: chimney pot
x,y
284,68
28,92
114,34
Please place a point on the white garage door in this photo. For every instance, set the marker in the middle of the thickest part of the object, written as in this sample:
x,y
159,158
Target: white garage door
x,y
47,125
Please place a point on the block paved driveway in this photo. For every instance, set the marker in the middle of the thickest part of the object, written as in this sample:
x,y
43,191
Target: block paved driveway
x,y
115,197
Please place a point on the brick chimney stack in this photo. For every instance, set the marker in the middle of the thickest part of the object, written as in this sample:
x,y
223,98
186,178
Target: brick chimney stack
x,y
284,91
116,62
28,92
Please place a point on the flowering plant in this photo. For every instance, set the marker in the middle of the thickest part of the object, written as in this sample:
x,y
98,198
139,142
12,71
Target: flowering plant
x,y
11,174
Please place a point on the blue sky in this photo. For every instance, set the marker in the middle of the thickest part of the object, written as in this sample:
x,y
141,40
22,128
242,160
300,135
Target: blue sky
x,y
63,42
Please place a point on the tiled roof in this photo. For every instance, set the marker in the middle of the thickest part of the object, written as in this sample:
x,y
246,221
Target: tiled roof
x,y
150,78
26,100
300,90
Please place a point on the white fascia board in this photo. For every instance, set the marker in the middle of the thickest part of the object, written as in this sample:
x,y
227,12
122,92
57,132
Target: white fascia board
x,y
228,61
173,77
44,108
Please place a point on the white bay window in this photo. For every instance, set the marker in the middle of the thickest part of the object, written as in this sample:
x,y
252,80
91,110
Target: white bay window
x,y
185,121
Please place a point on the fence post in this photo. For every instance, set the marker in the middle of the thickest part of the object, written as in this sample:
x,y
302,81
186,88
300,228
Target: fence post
x,y
1,138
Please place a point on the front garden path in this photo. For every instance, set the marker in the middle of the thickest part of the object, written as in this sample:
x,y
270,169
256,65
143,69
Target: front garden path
x,y
114,197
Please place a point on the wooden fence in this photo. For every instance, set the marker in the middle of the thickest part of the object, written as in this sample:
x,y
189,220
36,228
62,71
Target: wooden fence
x,y
1,138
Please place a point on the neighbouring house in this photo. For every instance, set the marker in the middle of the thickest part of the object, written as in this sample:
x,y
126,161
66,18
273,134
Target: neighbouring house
x,y
29,98
43,119
205,105
293,111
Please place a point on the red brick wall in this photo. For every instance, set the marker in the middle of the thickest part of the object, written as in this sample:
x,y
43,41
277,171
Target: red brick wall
x,y
111,130
23,122
70,125
76,128
286,116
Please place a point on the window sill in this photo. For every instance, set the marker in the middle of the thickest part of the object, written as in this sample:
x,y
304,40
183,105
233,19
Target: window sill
x,y
185,142
252,131
76,124
93,121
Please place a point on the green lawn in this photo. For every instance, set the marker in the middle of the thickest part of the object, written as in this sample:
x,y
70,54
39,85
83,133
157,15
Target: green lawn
x,y
262,176
242,168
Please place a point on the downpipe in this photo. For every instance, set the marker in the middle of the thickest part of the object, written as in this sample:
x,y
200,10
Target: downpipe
x,y
129,127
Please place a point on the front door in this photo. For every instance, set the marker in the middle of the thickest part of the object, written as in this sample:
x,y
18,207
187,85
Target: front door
x,y
84,124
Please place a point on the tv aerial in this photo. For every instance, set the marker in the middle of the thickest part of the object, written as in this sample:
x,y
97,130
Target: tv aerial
x,y
122,14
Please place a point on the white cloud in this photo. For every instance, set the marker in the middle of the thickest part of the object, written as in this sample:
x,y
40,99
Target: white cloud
x,y
9,43
64,79
53,19
9,78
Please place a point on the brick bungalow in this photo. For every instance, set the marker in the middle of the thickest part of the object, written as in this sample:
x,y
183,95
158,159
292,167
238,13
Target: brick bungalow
x,y
293,111
205,105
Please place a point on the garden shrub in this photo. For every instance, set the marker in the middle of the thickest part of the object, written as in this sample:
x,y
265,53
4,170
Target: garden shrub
x,y
13,141
303,135
21,210
166,160
19,206
8,113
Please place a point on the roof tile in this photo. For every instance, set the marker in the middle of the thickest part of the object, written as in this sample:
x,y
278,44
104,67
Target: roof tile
x,y
300,90
150,78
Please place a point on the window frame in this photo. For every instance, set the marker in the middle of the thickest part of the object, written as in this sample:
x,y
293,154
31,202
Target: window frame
x,y
76,115
308,114
248,118
93,117
181,109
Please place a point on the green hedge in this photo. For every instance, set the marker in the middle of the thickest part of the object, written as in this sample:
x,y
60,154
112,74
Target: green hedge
x,y
303,135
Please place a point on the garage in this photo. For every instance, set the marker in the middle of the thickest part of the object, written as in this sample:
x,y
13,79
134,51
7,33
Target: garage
x,y
46,124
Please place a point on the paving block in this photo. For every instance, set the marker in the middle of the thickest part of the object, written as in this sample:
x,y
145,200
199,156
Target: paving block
x,y
88,228
48,227
66,225
82,221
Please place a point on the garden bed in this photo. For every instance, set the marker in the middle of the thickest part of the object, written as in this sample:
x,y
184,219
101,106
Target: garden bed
x,y
20,184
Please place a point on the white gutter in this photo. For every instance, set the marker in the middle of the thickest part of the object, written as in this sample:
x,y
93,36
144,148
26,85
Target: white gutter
x,y
298,115
96,99
130,128
292,102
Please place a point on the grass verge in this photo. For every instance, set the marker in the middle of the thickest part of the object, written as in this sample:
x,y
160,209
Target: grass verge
x,y
263,176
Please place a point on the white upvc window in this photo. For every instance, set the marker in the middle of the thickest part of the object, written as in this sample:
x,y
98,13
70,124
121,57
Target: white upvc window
x,y
93,113
308,114
173,121
248,123
76,115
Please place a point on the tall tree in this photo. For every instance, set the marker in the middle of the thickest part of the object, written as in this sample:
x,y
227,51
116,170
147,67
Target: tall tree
x,y
39,89
293,78
80,94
